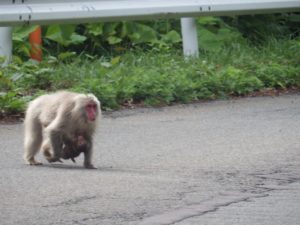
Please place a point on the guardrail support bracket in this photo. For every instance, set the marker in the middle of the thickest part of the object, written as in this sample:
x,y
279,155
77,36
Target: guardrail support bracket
x,y
6,44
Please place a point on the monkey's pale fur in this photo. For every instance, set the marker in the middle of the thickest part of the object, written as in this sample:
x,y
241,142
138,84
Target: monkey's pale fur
x,y
52,117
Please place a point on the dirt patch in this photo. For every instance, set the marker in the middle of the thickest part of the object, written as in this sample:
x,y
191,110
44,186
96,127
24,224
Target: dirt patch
x,y
15,118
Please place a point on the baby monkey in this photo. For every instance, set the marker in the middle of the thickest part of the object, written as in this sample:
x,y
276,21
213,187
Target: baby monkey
x,y
72,148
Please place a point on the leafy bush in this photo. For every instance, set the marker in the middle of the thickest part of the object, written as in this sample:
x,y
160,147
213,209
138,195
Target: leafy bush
x,y
259,28
214,34
278,76
113,38
10,103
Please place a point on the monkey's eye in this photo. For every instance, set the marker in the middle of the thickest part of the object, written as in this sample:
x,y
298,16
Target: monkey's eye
x,y
91,106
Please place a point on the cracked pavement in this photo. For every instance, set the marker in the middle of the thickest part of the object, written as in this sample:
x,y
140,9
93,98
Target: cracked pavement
x,y
222,162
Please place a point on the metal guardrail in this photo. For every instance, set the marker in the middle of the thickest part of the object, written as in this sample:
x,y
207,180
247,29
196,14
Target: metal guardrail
x,y
20,12
16,12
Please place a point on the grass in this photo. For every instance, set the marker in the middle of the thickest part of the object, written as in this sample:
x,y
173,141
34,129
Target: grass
x,y
156,78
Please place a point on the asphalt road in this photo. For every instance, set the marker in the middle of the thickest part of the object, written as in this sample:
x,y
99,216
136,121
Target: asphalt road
x,y
223,162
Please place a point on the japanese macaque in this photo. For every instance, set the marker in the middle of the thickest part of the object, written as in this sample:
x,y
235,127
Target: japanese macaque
x,y
62,124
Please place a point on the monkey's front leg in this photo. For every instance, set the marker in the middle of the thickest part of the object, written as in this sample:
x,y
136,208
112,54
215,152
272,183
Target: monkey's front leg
x,y
88,156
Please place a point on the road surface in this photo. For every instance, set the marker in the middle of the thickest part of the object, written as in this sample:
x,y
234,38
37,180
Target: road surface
x,y
223,162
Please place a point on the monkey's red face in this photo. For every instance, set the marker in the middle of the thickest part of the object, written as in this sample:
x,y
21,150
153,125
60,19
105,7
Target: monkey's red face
x,y
91,111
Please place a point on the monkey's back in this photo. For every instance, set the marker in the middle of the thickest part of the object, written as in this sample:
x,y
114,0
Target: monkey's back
x,y
56,103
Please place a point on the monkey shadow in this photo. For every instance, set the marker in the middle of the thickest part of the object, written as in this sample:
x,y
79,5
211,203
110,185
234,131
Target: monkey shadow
x,y
63,166
108,169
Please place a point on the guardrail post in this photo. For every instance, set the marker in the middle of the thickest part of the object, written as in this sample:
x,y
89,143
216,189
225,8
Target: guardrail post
x,y
6,44
35,39
189,37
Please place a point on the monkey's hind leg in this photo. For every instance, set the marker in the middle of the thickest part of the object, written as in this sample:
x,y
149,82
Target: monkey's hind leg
x,y
33,141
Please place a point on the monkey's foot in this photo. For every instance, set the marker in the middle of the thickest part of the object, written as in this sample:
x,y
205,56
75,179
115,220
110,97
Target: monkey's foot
x,y
89,166
34,163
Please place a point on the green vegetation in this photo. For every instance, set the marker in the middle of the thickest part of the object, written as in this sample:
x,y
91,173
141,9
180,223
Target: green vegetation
x,y
141,63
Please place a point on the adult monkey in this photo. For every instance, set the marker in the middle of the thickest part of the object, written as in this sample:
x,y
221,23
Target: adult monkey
x,y
54,118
